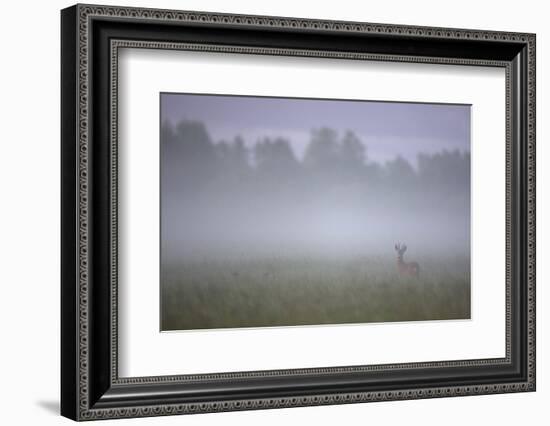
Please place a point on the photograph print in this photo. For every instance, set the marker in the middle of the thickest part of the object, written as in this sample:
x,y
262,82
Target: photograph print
x,y
279,211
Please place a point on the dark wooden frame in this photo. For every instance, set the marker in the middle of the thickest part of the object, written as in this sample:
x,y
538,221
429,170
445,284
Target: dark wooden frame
x,y
91,37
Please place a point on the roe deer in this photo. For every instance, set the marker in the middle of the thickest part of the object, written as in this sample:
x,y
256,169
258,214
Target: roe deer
x,y
405,268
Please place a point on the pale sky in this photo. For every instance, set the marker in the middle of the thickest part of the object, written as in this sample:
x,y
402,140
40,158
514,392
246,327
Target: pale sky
x,y
387,129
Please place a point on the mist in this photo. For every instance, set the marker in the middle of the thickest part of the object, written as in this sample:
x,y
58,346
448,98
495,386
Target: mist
x,y
216,200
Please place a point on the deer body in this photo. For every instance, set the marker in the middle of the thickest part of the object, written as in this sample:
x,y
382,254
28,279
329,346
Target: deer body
x,y
406,268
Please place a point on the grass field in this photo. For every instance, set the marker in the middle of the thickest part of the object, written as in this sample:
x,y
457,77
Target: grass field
x,y
276,291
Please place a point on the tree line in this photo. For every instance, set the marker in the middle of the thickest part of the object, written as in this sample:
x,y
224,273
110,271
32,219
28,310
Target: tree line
x,y
191,157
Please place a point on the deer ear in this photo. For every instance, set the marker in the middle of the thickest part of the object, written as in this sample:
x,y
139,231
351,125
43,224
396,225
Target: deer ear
x,y
396,247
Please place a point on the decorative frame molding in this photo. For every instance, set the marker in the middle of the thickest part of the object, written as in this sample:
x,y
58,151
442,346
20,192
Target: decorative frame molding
x,y
91,37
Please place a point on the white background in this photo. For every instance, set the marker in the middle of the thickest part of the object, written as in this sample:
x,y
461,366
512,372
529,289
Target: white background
x,y
146,352
29,229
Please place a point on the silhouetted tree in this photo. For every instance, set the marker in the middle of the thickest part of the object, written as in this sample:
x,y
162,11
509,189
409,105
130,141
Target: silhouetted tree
x,y
239,153
233,156
450,169
352,151
323,149
274,156
399,173
187,153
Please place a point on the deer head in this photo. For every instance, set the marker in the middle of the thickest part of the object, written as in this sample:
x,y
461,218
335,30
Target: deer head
x,y
400,249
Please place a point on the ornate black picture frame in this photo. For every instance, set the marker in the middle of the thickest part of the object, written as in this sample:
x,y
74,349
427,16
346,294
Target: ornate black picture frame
x,y
90,385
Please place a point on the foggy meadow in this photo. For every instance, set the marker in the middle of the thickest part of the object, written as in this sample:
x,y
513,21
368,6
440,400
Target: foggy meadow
x,y
295,223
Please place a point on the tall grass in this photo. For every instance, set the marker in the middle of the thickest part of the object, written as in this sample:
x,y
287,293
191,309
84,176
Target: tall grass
x,y
278,291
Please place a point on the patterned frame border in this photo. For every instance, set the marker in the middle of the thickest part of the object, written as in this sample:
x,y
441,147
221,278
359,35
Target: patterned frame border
x,y
116,45
85,14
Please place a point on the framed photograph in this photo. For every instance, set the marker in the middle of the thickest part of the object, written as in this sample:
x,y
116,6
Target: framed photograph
x,y
263,212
